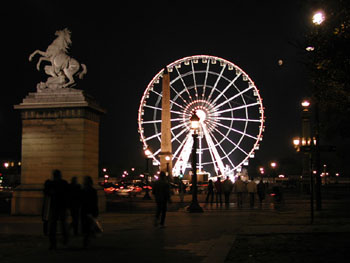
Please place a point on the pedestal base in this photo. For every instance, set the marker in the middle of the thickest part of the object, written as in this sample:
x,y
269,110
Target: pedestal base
x,y
195,208
60,130
27,200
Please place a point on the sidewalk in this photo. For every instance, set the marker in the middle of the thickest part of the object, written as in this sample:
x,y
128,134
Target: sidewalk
x,y
217,235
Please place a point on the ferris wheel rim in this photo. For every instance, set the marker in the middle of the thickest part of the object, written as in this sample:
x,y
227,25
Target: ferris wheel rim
x,y
172,65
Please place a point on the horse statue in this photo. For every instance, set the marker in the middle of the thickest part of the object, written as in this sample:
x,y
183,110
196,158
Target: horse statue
x,y
63,68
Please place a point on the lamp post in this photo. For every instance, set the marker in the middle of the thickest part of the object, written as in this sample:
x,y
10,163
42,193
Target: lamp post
x,y
194,206
310,149
273,167
167,159
317,19
148,154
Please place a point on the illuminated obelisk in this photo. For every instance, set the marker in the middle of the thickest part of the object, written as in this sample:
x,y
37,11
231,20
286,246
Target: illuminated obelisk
x,y
166,164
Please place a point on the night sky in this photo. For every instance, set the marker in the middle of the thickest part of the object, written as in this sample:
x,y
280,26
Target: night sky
x,y
124,46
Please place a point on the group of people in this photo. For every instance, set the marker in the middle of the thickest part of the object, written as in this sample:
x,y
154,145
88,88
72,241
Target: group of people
x,y
239,188
61,199
161,192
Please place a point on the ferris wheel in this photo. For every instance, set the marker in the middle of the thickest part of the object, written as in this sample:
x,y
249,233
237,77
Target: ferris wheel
x,y
227,103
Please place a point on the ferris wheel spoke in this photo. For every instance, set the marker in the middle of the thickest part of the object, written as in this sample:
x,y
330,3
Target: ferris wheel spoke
x,y
237,131
151,122
239,107
205,79
217,81
178,135
233,97
157,152
153,136
158,121
180,147
216,168
222,149
228,139
177,126
152,107
177,104
177,94
238,119
160,109
226,88
194,79
181,163
213,148
183,82
171,101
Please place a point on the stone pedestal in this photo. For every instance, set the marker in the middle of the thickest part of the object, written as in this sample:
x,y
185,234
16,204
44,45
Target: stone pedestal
x,y
60,130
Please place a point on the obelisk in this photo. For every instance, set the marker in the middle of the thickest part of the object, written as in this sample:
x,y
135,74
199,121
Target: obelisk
x,y
166,164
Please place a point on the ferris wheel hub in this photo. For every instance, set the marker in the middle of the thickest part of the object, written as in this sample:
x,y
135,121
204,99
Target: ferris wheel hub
x,y
201,114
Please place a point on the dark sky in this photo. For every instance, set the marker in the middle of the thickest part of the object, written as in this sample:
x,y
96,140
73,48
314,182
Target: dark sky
x,y
125,46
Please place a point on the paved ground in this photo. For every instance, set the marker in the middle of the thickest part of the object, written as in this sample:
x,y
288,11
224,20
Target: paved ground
x,y
220,234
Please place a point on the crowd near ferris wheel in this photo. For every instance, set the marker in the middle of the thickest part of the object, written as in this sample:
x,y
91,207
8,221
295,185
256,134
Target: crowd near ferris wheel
x,y
229,107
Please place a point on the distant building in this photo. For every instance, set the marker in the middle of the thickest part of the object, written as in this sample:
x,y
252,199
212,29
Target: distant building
x,y
10,173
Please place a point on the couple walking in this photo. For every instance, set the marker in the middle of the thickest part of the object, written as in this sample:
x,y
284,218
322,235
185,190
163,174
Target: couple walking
x,y
59,198
218,188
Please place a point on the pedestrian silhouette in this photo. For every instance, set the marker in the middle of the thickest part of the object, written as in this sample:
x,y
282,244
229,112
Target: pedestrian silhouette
x,y
218,190
45,213
89,209
261,192
182,190
239,188
252,189
161,192
74,203
58,194
227,186
210,193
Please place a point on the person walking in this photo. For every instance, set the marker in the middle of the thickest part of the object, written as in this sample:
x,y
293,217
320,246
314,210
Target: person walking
x,y
89,209
210,193
58,195
45,212
74,203
261,192
252,189
161,191
227,186
239,189
182,190
218,190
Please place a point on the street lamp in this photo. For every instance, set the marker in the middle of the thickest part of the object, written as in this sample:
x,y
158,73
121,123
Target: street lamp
x,y
194,206
167,159
148,155
318,18
273,166
296,143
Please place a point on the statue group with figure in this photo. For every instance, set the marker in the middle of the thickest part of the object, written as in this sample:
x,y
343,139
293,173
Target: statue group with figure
x,y
63,68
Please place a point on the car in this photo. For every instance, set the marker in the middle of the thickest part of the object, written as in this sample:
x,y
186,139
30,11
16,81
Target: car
x,y
128,190
202,187
110,188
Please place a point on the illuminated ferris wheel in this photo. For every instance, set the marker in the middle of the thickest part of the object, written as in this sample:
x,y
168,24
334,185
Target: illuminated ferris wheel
x,y
224,98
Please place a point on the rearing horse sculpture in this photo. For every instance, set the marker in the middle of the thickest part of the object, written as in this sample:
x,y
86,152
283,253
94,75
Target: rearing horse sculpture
x,y
62,65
